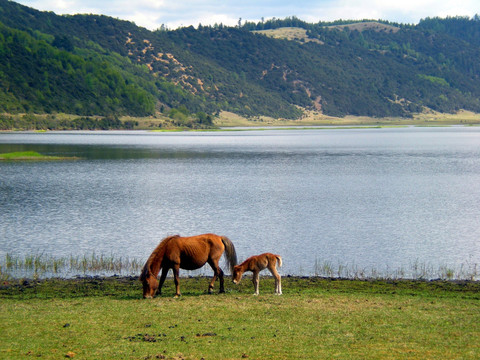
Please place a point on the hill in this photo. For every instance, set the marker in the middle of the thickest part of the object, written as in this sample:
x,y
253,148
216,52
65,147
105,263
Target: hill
x,y
96,65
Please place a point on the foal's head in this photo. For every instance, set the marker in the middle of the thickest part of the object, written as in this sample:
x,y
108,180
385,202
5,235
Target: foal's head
x,y
237,274
150,286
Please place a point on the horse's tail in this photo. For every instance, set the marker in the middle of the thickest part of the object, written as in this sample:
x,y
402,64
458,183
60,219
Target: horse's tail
x,y
230,253
279,260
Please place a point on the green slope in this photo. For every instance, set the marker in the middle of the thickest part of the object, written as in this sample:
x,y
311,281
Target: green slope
x,y
92,64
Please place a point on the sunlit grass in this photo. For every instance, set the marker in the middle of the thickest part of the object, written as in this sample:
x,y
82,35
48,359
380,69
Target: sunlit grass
x,y
29,155
314,319
314,118
20,155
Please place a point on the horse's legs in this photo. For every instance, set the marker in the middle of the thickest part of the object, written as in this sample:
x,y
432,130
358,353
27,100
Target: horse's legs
x,y
176,277
217,272
255,280
220,276
162,280
278,279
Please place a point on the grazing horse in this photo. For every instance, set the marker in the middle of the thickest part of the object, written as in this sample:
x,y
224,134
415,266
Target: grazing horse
x,y
189,253
256,264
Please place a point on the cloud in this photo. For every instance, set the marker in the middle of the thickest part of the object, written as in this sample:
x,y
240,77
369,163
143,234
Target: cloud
x,y
151,14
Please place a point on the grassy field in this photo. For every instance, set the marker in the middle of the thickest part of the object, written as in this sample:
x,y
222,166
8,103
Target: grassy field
x,y
312,118
315,318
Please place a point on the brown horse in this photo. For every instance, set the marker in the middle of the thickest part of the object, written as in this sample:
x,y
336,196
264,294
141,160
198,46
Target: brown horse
x,y
189,253
256,264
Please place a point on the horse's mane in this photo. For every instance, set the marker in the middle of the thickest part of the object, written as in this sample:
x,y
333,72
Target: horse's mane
x,y
154,262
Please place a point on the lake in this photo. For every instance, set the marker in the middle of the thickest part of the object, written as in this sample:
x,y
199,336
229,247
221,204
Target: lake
x,y
393,202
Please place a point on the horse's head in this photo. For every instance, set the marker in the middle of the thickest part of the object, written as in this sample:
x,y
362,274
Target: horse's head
x,y
237,274
150,286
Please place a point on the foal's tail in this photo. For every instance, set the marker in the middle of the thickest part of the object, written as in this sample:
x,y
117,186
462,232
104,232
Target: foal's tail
x,y
279,260
230,253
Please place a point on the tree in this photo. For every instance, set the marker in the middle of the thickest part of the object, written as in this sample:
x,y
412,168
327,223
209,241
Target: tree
x,y
63,42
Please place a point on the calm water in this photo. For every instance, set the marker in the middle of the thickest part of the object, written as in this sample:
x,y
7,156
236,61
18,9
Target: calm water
x,y
387,201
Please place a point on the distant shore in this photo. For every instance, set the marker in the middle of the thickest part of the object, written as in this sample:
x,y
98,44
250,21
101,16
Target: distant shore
x,y
159,122
311,118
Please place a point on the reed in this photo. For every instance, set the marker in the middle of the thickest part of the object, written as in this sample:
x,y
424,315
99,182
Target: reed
x,y
45,266
416,270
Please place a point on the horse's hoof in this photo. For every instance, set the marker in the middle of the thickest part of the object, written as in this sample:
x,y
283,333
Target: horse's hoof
x,y
222,291
177,296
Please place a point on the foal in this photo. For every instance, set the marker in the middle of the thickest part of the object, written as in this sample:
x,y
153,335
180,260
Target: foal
x,y
256,264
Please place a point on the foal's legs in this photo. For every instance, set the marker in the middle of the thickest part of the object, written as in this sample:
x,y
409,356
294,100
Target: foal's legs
x,y
278,279
255,280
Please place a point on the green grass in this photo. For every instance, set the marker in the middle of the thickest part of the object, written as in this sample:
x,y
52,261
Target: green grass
x,y
29,156
316,318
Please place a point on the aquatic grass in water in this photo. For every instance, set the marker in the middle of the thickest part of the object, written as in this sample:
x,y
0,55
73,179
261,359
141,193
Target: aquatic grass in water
x,y
416,271
30,156
46,266
20,155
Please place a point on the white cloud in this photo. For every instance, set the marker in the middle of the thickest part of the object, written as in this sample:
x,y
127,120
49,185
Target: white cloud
x,y
152,13
405,11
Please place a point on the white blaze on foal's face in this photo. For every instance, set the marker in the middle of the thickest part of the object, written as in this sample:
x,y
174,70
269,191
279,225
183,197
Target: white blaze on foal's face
x,y
237,276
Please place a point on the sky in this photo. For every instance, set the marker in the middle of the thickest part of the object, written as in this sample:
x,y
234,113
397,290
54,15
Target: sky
x,y
151,14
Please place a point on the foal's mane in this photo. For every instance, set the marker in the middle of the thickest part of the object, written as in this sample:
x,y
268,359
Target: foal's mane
x,y
155,259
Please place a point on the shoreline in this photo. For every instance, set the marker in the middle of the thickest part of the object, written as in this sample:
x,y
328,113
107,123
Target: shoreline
x,y
246,128
131,287
226,119
227,276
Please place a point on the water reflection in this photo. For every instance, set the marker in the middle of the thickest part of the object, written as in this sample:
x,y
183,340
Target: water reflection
x,y
376,200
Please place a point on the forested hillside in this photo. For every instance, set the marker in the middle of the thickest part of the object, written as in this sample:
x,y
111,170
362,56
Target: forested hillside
x,y
96,65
